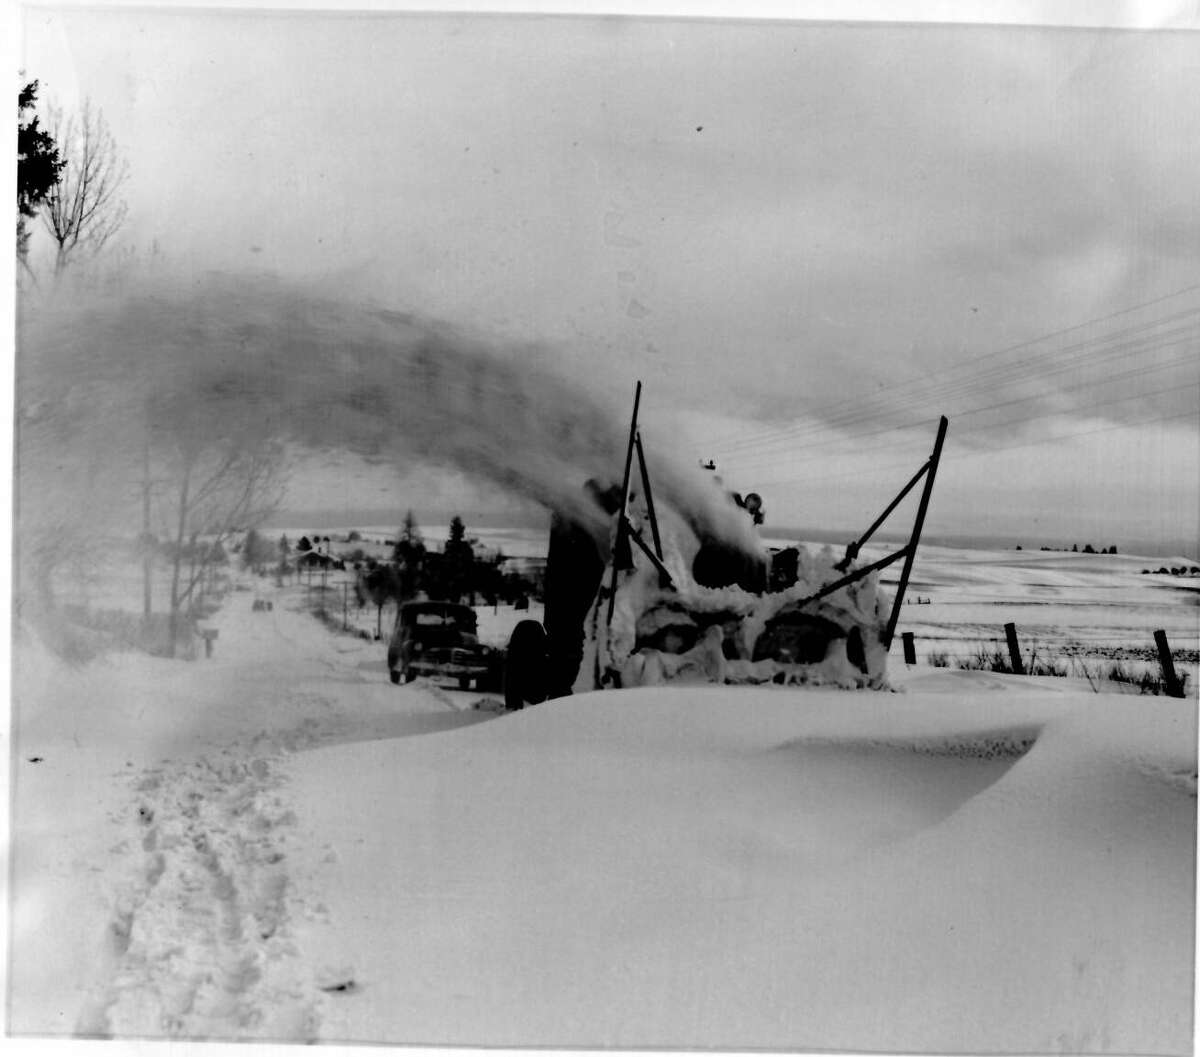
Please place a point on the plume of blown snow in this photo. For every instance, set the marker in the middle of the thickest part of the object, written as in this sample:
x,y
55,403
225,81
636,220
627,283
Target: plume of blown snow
x,y
230,356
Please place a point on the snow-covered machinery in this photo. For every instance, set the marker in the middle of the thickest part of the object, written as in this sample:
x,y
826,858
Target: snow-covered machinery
x,y
663,598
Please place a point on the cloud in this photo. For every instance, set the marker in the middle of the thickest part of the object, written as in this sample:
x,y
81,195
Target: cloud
x,y
170,363
871,220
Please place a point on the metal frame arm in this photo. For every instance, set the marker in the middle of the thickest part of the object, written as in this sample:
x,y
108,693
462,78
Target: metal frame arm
x,y
622,522
855,546
908,552
918,525
857,575
655,560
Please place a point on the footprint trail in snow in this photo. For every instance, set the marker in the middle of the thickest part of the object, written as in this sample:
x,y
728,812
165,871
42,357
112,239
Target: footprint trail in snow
x,y
200,942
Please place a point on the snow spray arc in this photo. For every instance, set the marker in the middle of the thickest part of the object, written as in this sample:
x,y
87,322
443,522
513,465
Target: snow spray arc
x,y
259,357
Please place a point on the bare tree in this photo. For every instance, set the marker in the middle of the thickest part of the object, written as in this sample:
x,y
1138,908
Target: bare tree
x,y
219,488
83,210
380,585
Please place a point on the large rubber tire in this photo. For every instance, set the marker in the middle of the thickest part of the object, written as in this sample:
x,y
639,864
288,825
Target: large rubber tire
x,y
395,675
525,666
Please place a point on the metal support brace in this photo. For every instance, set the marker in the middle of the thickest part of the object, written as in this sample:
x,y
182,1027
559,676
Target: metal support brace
x,y
637,440
908,552
855,576
622,519
923,508
853,548
625,529
664,576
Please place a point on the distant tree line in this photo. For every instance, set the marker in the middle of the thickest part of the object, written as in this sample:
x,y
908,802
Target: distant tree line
x,y
456,573
1086,549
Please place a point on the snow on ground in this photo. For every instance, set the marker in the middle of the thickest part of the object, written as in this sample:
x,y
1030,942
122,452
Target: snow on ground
x,y
134,771
279,844
1064,604
694,868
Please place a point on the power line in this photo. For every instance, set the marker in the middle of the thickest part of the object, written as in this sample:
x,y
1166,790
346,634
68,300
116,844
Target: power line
x,y
873,408
1099,341
775,450
1083,433
954,457
1059,333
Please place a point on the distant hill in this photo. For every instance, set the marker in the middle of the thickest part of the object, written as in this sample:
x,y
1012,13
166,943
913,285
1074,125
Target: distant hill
x,y
534,518
359,518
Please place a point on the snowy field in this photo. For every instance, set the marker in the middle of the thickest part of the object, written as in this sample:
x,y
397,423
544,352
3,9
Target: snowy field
x,y
278,844
1090,606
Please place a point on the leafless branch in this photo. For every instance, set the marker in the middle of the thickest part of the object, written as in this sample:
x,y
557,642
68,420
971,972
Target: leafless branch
x,y
83,210
223,486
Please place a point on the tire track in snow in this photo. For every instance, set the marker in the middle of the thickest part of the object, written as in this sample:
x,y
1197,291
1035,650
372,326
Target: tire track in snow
x,y
440,695
199,944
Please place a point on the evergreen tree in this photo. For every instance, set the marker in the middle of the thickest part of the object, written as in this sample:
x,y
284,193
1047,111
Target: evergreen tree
x,y
249,545
38,164
409,540
409,556
459,561
256,552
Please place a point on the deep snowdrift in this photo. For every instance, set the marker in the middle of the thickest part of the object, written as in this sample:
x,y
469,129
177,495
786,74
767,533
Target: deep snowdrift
x,y
278,844
938,871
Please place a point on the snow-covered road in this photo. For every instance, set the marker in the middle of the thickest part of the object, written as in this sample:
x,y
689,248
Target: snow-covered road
x,y
152,838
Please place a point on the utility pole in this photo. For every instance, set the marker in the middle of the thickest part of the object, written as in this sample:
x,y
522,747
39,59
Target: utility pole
x,y
147,544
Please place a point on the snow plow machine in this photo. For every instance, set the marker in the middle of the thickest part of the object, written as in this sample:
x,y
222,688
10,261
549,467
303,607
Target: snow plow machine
x,y
660,598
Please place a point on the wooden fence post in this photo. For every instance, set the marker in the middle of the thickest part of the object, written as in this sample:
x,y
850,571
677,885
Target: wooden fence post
x,y
1014,649
910,649
1168,665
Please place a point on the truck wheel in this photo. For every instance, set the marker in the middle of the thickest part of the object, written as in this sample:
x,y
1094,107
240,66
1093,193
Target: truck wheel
x,y
525,666
464,682
394,674
493,682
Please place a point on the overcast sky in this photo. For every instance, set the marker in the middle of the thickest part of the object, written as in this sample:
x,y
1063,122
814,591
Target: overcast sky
x,y
808,240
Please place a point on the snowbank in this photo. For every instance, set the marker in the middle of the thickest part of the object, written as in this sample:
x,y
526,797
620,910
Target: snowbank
x,y
937,871
278,844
